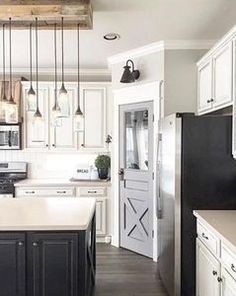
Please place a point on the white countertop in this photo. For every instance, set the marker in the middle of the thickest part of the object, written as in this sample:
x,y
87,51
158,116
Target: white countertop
x,y
222,222
60,182
45,214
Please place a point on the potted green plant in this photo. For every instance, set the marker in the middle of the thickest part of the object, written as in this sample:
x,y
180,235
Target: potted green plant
x,y
102,163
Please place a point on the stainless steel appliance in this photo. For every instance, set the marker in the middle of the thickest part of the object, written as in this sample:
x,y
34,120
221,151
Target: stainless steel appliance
x,y
11,172
10,136
197,171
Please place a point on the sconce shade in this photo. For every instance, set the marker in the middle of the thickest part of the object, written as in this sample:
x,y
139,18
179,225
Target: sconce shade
x,y
128,75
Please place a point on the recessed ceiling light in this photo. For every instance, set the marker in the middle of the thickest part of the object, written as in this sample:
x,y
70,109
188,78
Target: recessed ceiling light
x,y
111,36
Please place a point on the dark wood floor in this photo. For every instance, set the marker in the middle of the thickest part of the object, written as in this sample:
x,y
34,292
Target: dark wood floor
x,y
123,273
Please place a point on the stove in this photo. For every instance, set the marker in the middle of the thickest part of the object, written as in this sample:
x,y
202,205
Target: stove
x,y
11,172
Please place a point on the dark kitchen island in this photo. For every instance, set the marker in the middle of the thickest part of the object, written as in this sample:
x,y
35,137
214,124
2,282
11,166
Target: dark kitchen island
x,y
47,246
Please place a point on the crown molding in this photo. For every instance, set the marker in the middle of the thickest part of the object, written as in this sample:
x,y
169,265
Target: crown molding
x,y
68,71
160,46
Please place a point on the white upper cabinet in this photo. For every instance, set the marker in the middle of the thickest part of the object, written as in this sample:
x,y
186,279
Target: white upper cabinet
x,y
62,134
215,76
205,87
222,76
94,104
62,129
36,134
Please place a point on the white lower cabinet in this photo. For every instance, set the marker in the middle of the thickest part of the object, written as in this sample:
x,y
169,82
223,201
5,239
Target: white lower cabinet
x,y
228,284
102,198
101,228
215,268
208,272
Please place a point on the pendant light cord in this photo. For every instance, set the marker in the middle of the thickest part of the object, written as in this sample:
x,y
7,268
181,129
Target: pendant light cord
x,y
62,48
37,74
55,55
31,62
78,36
4,61
10,53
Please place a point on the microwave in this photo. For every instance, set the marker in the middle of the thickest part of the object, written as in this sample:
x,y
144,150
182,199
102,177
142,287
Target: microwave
x,y
10,136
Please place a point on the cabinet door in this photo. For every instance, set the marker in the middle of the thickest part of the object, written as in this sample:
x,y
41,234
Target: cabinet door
x,y
63,135
101,216
205,87
52,264
12,264
36,134
222,76
208,271
95,118
228,284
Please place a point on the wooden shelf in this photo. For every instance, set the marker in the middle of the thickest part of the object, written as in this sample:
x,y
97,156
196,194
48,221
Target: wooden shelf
x,y
24,12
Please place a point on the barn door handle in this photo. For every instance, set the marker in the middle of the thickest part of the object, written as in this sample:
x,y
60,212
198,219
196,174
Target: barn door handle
x,y
121,174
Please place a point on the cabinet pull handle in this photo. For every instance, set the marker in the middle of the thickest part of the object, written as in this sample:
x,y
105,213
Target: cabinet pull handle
x,y
20,244
219,279
35,244
61,191
92,191
214,272
29,192
204,236
233,267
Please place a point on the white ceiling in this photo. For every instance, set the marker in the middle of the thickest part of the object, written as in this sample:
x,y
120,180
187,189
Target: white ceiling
x,y
139,22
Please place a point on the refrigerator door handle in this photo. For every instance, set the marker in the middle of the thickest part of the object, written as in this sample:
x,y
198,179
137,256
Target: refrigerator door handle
x,y
158,201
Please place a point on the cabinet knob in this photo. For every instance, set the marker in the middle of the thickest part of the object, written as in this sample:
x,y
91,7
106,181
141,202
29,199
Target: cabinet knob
x,y
53,145
204,236
46,145
35,244
208,101
214,272
20,244
219,279
82,145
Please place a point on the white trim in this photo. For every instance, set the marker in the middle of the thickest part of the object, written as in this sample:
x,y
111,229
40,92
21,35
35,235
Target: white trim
x,y
229,36
133,94
160,46
68,71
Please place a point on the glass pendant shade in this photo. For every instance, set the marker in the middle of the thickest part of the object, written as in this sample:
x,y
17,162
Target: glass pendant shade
x,y
31,96
63,94
38,118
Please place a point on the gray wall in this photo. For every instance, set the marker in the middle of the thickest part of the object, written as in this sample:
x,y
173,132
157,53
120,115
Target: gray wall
x,y
179,71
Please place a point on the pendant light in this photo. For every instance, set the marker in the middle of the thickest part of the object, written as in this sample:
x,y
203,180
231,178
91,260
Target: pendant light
x,y
56,110
63,94
37,115
4,97
11,111
31,92
78,114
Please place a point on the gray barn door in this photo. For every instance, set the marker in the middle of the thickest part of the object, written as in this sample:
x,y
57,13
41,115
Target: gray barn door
x,y
136,173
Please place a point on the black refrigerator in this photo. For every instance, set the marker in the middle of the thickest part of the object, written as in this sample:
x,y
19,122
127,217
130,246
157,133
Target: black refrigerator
x,y
196,171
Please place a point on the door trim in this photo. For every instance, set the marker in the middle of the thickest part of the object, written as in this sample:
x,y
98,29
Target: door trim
x,y
129,95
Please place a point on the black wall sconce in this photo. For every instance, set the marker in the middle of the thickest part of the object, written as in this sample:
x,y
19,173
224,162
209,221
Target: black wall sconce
x,y
129,76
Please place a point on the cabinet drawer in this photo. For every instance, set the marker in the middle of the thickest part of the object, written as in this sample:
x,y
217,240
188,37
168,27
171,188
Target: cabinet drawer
x,y
228,260
208,238
92,191
45,192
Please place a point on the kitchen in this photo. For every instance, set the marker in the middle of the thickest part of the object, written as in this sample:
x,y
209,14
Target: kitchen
x,y
81,131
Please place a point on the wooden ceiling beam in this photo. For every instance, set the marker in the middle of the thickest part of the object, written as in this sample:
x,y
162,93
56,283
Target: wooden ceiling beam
x,y
24,12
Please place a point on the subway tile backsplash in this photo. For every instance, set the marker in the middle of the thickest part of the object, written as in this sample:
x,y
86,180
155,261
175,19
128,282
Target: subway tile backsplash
x,y
43,165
